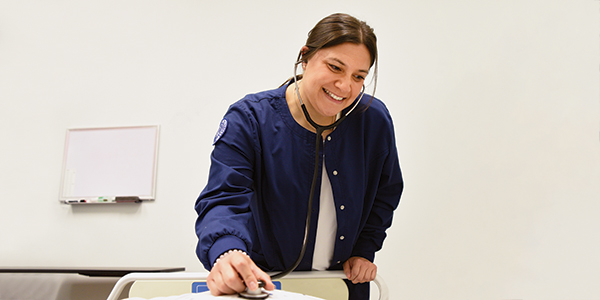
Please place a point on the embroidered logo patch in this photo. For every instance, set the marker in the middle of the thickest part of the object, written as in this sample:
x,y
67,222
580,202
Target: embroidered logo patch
x,y
221,131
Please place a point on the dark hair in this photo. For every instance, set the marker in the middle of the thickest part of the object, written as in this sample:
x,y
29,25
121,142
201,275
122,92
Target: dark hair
x,y
337,29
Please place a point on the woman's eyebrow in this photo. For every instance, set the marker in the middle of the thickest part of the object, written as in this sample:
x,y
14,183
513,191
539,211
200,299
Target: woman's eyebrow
x,y
344,65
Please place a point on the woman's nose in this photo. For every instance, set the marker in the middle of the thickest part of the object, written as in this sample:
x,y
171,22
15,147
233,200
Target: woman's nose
x,y
344,84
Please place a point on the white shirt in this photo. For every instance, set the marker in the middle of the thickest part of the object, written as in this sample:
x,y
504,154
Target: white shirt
x,y
326,226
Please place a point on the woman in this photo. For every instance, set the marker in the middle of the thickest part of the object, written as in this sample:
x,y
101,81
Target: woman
x,y
253,210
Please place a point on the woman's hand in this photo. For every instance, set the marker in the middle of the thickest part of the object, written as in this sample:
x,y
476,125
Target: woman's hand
x,y
233,273
360,270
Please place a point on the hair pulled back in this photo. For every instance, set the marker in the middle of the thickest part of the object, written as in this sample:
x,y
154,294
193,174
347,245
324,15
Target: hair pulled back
x,y
337,29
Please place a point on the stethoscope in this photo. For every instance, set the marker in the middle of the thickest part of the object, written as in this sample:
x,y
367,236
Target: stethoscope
x,y
320,129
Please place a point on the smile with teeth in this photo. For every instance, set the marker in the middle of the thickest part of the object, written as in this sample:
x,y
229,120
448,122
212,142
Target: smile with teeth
x,y
332,95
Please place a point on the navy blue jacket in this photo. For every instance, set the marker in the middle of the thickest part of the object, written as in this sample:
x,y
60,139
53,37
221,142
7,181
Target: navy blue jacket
x,y
260,177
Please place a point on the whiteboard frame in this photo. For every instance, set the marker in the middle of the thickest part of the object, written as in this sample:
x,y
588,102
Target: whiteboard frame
x,y
105,136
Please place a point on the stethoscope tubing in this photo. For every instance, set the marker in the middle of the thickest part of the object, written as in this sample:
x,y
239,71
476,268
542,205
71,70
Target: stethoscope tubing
x,y
319,137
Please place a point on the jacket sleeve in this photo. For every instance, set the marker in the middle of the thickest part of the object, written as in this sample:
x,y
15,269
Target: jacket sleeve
x,y
387,198
223,206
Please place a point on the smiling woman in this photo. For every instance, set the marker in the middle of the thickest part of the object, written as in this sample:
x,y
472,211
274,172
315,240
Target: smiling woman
x,y
256,213
344,40
332,80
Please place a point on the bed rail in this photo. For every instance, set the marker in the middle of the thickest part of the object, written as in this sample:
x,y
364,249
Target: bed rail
x,y
201,276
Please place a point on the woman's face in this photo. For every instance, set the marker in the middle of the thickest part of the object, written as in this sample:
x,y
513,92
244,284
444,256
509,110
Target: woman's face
x,y
333,77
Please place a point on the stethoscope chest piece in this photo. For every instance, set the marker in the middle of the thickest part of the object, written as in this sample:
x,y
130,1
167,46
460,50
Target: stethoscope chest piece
x,y
258,294
250,295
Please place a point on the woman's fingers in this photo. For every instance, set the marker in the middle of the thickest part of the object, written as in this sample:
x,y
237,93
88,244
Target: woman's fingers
x,y
360,270
264,277
233,273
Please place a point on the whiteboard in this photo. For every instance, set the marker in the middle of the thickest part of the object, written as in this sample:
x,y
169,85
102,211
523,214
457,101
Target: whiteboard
x,y
109,165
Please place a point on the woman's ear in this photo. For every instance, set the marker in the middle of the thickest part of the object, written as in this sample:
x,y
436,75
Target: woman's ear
x,y
303,52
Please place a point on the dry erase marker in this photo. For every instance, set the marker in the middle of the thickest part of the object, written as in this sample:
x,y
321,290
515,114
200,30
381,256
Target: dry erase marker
x,y
102,200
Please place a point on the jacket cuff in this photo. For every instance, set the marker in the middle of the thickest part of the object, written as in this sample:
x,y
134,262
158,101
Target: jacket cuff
x,y
224,244
364,253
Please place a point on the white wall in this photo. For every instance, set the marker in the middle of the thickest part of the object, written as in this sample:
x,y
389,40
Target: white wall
x,y
496,106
